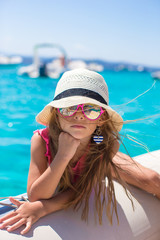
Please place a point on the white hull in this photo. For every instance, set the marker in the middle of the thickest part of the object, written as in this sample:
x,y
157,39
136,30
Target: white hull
x,y
141,224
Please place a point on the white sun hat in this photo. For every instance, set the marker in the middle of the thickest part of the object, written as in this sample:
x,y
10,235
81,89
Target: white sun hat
x,y
80,86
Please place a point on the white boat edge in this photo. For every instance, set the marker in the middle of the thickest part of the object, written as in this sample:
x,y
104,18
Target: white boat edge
x,y
140,224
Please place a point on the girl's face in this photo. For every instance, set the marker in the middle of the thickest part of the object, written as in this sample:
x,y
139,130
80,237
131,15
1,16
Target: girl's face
x,y
78,125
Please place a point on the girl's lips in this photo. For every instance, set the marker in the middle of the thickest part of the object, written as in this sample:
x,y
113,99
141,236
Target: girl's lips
x,y
77,126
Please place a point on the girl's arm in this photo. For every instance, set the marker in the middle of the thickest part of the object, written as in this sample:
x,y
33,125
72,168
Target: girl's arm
x,y
43,180
30,212
134,173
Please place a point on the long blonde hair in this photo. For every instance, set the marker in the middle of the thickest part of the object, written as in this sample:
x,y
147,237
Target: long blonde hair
x,y
98,165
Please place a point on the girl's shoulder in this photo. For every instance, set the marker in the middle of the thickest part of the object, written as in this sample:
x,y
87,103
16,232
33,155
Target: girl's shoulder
x,y
44,133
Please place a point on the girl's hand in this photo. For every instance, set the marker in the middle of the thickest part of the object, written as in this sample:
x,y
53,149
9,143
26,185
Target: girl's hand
x,y
26,214
67,146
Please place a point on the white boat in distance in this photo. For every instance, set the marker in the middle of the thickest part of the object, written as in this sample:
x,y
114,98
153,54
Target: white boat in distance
x,y
156,75
56,67
53,69
10,60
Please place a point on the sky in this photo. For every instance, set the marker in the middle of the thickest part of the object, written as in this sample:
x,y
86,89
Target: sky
x,y
111,30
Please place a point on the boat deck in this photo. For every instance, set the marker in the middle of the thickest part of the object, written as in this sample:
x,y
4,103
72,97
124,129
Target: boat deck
x,y
141,224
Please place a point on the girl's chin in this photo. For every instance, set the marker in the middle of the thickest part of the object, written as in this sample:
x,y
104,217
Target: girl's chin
x,y
79,136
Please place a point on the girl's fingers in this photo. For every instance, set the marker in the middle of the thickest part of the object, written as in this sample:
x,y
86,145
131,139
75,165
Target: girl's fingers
x,y
9,215
15,201
27,228
16,225
9,222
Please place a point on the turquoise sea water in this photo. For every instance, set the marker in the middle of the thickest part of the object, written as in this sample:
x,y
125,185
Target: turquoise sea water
x,y
22,98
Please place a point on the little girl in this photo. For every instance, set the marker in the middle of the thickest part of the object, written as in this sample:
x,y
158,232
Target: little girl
x,y
74,154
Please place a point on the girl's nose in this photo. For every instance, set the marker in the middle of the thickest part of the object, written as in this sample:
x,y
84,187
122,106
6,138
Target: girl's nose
x,y
79,114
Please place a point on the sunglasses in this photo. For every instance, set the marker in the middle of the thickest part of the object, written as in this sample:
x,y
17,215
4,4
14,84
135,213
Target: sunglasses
x,y
90,111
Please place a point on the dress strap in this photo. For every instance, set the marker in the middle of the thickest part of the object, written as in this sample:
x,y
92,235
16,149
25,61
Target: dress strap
x,y
44,133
